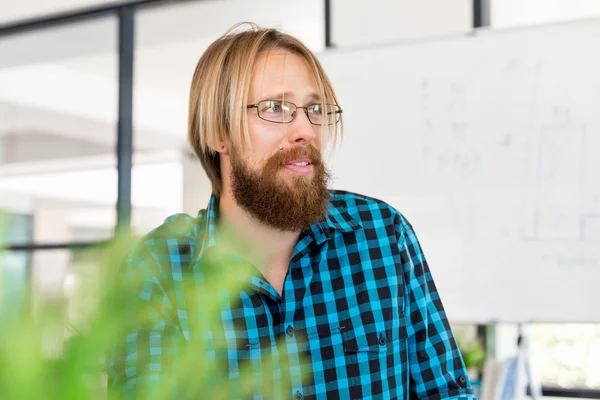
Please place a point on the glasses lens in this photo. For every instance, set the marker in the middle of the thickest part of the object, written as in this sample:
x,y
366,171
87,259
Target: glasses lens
x,y
327,114
276,110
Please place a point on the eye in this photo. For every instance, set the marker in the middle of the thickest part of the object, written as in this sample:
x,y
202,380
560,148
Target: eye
x,y
274,107
315,109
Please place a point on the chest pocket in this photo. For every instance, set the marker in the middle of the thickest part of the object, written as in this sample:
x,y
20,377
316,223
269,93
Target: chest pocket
x,y
376,356
365,338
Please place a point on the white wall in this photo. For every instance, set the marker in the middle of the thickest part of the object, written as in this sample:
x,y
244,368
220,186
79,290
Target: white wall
x,y
197,188
361,23
511,13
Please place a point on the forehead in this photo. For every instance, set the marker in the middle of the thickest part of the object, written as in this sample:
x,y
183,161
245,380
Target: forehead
x,y
281,71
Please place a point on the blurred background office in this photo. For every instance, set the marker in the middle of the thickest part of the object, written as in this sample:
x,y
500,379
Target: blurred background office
x,y
477,119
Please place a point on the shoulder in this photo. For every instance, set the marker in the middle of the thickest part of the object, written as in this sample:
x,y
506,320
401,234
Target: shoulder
x,y
175,240
368,211
177,226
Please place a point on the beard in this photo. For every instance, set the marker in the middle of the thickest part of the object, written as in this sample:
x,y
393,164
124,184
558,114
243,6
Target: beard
x,y
284,204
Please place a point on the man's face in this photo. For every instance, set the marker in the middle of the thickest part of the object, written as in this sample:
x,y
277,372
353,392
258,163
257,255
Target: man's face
x,y
284,188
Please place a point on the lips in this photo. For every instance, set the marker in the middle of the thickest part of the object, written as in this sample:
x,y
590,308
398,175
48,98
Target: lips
x,y
302,161
301,166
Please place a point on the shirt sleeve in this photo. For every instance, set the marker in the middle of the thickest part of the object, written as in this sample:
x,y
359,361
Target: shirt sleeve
x,y
437,370
143,357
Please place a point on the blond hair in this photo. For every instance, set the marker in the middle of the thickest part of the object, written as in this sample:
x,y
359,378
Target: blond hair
x,y
220,86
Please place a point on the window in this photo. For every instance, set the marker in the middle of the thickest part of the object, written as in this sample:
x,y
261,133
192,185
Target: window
x,y
566,355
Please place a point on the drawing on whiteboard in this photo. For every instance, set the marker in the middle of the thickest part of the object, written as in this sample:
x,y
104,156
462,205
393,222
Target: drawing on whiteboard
x,y
590,227
457,95
425,95
573,254
459,129
559,187
425,103
512,65
506,140
461,155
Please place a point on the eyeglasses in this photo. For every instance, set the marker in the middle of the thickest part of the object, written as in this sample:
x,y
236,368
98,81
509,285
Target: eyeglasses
x,y
284,112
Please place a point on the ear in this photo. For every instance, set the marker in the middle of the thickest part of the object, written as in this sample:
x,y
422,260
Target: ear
x,y
223,147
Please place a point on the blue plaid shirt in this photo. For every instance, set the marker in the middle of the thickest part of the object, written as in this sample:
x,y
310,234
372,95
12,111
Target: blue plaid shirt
x,y
359,316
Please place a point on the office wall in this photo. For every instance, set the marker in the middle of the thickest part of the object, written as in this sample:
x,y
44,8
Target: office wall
x,y
513,13
362,23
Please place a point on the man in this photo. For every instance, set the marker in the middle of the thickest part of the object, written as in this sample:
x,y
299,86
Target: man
x,y
341,301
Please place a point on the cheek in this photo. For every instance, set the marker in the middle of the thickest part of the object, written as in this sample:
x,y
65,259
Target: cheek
x,y
265,137
318,137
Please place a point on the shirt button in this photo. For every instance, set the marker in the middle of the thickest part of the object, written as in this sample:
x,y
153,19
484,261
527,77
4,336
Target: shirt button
x,y
381,340
297,395
462,380
290,332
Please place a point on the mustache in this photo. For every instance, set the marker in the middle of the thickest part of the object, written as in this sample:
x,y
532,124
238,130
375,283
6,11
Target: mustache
x,y
283,157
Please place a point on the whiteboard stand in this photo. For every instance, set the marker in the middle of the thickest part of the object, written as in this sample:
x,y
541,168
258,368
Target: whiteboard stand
x,y
525,378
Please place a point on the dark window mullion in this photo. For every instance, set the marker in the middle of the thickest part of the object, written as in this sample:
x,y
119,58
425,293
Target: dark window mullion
x,y
125,123
31,247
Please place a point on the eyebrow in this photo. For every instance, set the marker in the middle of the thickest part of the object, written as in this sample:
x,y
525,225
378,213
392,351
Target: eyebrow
x,y
275,96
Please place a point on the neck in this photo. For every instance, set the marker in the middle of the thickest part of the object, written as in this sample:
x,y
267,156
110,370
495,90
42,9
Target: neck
x,y
267,246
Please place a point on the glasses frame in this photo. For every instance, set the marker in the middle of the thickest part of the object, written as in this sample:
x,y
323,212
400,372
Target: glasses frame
x,y
338,111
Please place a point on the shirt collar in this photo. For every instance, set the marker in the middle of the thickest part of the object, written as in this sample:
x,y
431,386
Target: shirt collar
x,y
211,217
337,219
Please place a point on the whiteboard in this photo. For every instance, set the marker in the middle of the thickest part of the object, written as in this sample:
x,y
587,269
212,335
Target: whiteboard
x,y
490,145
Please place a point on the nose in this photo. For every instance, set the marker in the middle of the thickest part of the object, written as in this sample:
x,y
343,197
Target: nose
x,y
300,130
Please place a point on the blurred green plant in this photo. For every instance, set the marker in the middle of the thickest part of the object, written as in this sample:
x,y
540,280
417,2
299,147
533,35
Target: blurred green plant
x,y
46,353
473,354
